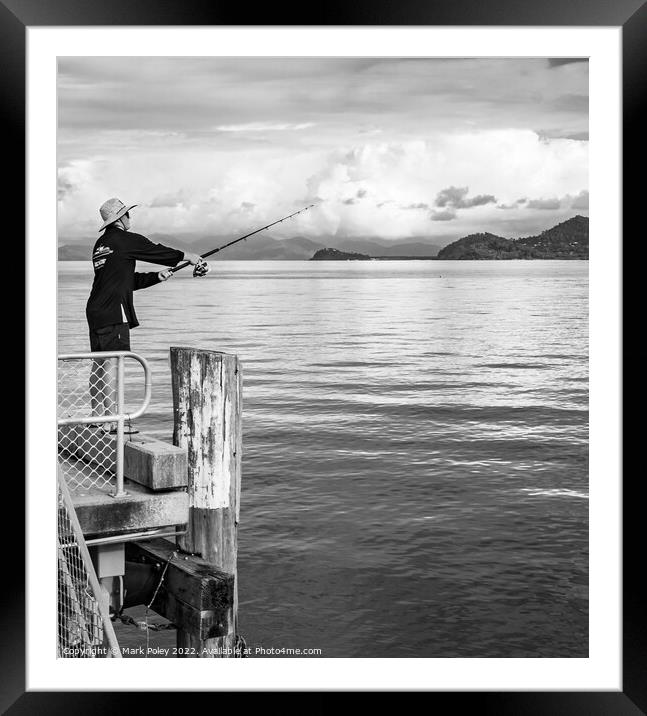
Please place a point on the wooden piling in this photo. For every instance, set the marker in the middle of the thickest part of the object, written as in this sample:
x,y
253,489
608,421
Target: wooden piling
x,y
207,407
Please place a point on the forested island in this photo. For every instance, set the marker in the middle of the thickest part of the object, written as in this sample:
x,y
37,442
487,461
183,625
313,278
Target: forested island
x,y
337,255
568,240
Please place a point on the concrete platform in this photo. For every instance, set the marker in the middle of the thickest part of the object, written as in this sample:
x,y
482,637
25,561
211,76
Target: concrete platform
x,y
100,514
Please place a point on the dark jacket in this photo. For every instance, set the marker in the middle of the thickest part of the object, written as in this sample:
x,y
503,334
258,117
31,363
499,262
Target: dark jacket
x,y
115,278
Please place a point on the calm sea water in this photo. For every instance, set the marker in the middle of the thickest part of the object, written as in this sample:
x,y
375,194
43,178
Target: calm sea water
x,y
415,469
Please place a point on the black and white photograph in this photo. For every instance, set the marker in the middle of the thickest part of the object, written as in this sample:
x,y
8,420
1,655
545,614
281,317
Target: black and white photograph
x,y
323,357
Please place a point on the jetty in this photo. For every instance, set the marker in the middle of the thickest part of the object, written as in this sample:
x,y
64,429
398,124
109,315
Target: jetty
x,y
142,521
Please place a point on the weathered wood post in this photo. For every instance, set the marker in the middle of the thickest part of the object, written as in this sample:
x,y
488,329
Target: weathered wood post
x,y
207,407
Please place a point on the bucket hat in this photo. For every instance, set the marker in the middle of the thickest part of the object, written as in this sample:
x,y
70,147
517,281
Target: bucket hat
x,y
112,210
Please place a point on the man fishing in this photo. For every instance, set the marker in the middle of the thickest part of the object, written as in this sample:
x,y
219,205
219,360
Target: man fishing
x,y
110,311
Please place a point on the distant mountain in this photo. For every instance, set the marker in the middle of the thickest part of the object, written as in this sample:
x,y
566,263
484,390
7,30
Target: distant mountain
x,y
382,247
568,240
336,255
264,247
74,252
261,247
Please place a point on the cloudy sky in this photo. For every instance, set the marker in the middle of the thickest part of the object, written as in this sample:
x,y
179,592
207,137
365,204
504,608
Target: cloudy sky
x,y
385,147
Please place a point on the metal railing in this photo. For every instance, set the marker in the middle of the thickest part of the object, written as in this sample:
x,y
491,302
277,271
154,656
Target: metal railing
x,y
84,626
92,417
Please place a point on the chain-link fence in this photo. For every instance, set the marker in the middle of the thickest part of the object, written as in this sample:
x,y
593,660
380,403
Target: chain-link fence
x,y
91,418
84,626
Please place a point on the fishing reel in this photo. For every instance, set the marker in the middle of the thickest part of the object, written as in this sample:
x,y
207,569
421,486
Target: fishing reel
x,y
201,268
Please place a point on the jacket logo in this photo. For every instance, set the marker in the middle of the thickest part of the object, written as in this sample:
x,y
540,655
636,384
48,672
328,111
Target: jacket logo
x,y
101,250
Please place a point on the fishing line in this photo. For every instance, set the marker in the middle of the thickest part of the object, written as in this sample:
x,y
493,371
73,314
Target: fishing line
x,y
184,264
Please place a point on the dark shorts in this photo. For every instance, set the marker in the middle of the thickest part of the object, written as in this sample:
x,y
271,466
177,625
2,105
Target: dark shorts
x,y
110,338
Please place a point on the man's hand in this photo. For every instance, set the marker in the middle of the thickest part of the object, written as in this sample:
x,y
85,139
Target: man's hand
x,y
200,269
193,259
164,275
200,266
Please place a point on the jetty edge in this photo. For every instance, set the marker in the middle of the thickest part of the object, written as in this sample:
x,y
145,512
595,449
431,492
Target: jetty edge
x,y
169,539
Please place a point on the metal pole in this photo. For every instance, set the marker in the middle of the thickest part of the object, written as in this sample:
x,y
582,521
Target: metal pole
x,y
133,536
119,446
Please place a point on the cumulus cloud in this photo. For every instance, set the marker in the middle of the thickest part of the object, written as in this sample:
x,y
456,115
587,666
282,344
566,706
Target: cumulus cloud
x,y
480,200
578,201
456,197
581,201
73,176
227,192
450,196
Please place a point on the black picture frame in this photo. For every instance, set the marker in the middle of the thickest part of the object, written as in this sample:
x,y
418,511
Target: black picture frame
x,y
17,15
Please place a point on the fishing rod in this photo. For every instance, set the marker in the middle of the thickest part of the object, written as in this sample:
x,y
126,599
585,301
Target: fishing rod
x,y
184,264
